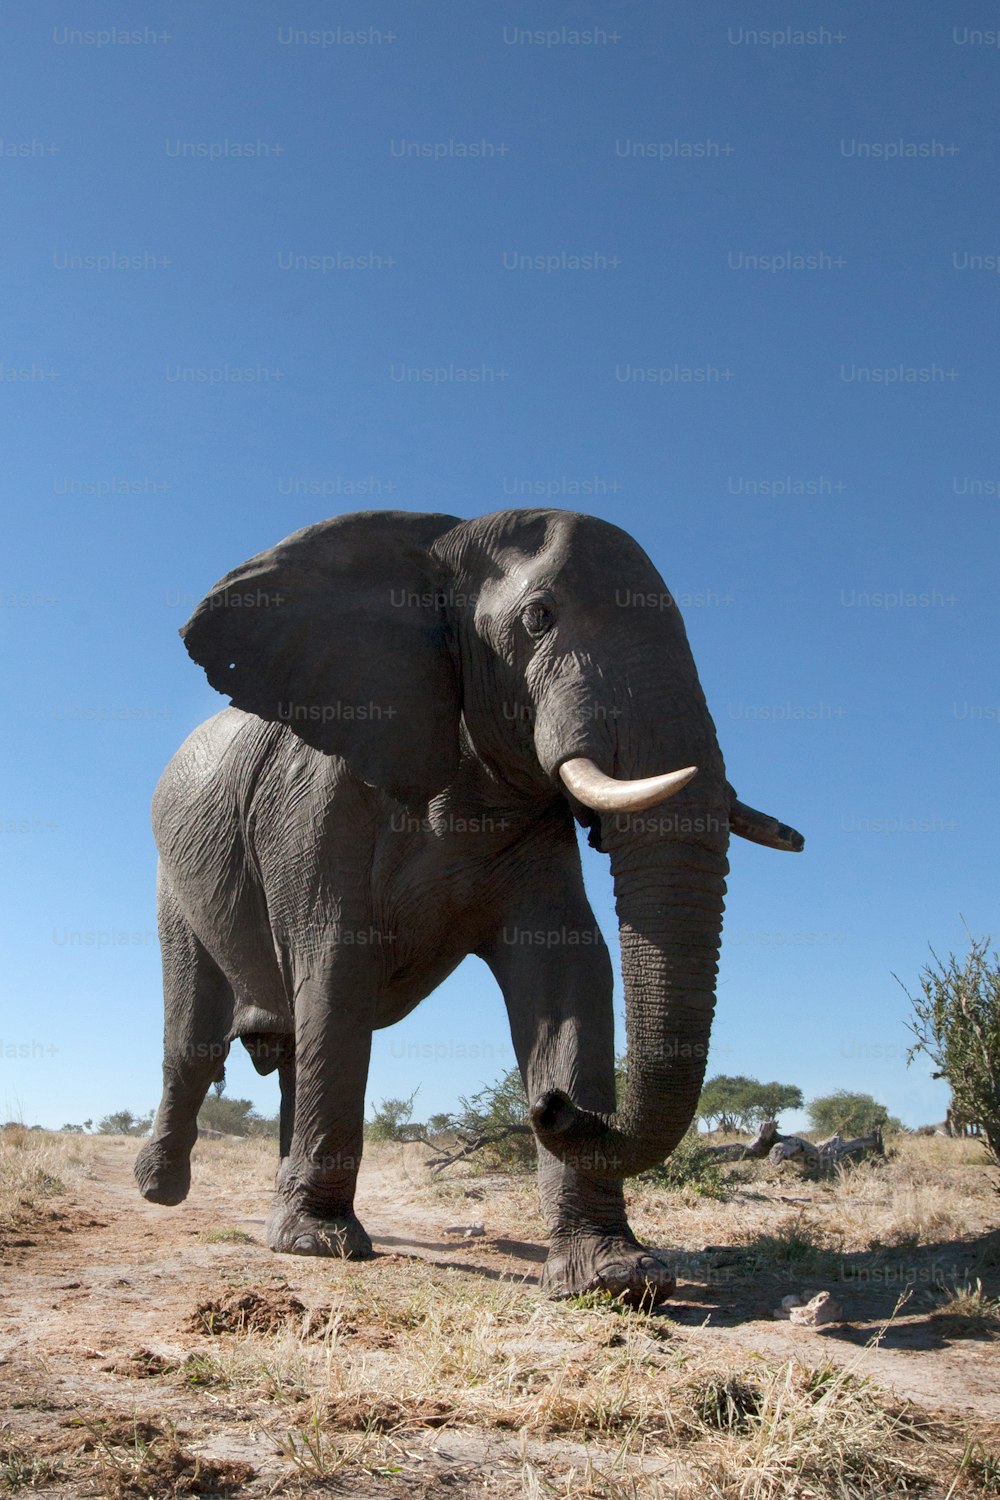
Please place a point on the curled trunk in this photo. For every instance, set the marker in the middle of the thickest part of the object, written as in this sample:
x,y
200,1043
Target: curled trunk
x,y
669,897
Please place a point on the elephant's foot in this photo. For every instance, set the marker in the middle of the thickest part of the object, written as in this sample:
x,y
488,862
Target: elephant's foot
x,y
292,1231
592,1262
163,1176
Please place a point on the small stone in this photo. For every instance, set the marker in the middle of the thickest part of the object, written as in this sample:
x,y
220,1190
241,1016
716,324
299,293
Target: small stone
x,y
787,1303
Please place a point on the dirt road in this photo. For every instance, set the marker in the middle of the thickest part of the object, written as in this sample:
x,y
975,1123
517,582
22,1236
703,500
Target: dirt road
x,y
98,1305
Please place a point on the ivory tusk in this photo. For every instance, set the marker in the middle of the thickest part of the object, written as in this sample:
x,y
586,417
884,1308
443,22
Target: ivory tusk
x,y
601,793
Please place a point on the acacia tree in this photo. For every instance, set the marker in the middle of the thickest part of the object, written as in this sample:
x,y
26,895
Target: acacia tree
x,y
767,1100
737,1102
723,1099
956,1022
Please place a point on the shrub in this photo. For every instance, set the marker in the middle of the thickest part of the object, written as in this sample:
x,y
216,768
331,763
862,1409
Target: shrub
x,y
690,1165
956,1022
848,1114
501,1109
234,1117
124,1122
392,1120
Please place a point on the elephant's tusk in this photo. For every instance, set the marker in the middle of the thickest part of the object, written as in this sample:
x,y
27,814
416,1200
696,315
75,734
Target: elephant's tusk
x,y
606,794
761,828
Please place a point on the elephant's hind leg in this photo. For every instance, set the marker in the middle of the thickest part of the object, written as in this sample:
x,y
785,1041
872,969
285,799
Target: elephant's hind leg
x,y
197,1008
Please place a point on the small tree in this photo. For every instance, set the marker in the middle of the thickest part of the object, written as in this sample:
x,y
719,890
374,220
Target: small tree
x,y
232,1116
124,1122
848,1114
767,1100
392,1120
738,1102
725,1099
956,1022
501,1110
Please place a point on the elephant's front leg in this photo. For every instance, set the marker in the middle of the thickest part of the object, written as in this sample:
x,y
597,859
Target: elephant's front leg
x,y
559,998
313,1209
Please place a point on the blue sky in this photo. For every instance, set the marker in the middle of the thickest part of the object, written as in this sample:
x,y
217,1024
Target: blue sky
x,y
787,220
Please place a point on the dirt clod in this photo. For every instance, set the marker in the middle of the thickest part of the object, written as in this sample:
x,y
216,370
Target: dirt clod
x,y
386,1413
168,1470
248,1310
88,1432
141,1364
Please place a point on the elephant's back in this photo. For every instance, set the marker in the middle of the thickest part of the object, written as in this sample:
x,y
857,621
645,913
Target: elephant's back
x,y
214,770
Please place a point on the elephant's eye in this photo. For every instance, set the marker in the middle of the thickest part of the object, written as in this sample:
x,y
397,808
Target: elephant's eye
x,y
537,618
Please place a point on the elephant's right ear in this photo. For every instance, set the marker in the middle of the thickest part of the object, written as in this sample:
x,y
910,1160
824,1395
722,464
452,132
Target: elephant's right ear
x,y
339,632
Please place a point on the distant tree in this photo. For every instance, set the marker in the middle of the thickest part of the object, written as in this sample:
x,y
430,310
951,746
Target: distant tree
x,y
956,1022
234,1116
124,1122
848,1114
767,1100
392,1120
738,1103
724,1099
72,1130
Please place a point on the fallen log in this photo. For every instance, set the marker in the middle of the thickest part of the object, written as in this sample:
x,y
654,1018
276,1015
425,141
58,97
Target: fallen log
x,y
821,1157
814,1157
747,1151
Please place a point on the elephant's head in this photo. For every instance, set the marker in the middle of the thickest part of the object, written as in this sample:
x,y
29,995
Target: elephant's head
x,y
547,643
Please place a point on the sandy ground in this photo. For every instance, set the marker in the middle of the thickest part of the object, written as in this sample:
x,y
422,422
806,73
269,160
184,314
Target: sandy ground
x,y
107,1275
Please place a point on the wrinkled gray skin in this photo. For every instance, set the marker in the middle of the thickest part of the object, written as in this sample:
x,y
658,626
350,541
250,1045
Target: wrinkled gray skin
x,y
384,798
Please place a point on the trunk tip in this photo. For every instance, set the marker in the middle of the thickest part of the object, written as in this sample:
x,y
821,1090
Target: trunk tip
x,y
553,1113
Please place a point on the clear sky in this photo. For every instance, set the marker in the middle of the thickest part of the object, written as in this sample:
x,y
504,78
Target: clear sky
x,y
724,274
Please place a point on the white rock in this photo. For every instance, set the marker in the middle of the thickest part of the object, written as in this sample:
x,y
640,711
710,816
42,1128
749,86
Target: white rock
x,y
823,1308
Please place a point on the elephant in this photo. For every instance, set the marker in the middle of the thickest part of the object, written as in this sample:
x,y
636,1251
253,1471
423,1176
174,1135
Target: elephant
x,y
422,708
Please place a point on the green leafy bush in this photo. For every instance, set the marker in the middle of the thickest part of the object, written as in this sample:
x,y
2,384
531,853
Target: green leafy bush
x,y
500,1109
849,1114
690,1166
956,1022
392,1120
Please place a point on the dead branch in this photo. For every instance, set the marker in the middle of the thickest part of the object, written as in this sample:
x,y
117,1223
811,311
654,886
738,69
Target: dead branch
x,y
470,1144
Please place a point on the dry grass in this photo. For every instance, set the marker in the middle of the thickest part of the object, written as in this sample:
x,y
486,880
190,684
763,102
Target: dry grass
x,y
359,1378
401,1360
968,1307
930,1190
36,1166
240,1170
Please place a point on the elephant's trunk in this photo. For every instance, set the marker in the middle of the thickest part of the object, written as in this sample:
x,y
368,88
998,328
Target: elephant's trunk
x,y
669,894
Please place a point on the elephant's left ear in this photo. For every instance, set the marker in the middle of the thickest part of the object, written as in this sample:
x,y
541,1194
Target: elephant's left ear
x,y
340,632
